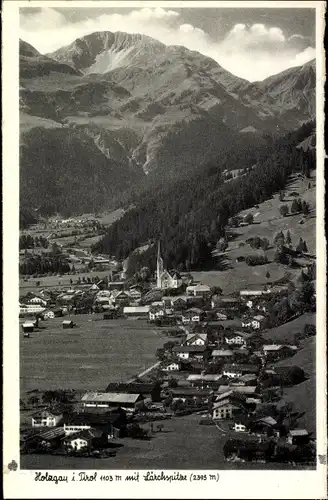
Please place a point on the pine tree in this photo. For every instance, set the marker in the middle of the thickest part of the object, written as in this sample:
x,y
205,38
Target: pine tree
x,y
305,208
288,238
300,246
284,210
279,239
294,207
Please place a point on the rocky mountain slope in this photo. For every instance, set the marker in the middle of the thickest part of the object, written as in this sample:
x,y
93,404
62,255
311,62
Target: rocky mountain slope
x,y
290,95
147,107
34,64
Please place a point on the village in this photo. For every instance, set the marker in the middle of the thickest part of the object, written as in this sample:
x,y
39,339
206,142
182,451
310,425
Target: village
x,y
218,366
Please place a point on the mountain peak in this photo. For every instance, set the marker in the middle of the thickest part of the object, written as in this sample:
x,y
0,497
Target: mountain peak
x,y
104,51
26,50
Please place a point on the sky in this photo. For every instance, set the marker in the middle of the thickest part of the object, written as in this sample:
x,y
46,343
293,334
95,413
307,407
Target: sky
x,y
252,43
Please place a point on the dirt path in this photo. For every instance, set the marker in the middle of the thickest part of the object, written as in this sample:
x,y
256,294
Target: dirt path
x,y
142,374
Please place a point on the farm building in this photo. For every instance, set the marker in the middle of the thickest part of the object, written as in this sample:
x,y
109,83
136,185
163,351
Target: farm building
x,y
222,353
237,370
46,418
58,313
199,290
298,436
189,393
111,314
79,440
135,294
120,298
37,300
126,401
239,427
196,339
171,367
30,309
136,311
190,351
51,437
116,285
226,409
253,293
67,323
193,315
28,327
48,315
104,302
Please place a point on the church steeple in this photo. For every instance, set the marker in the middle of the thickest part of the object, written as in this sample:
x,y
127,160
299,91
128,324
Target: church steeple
x,y
159,267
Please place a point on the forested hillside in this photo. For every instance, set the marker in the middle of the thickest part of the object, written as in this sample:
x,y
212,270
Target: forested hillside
x,y
76,176
114,115
189,215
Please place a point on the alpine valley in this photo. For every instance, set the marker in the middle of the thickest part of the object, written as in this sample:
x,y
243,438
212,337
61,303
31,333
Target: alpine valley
x,y
115,114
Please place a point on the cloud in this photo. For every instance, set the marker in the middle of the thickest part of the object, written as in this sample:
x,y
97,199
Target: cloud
x,y
252,52
303,57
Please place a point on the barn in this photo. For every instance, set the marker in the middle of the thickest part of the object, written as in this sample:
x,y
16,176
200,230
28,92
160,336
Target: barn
x,y
67,323
28,327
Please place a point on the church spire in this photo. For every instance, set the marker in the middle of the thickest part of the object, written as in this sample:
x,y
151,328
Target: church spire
x,y
160,266
158,251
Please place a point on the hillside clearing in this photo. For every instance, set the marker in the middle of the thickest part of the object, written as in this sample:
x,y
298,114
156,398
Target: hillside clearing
x,y
286,332
267,222
303,396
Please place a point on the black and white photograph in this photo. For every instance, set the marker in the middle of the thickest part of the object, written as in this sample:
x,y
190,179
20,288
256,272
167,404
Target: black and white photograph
x,y
170,215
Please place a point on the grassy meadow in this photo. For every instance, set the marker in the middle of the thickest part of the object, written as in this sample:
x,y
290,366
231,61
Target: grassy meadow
x,y
88,356
233,275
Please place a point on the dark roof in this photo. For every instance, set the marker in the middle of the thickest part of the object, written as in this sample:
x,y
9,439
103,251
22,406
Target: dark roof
x,y
284,370
249,444
47,413
226,300
175,274
189,391
85,434
88,418
193,310
49,434
133,388
242,367
189,348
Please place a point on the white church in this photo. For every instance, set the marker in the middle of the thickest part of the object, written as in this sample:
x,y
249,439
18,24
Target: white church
x,y
164,279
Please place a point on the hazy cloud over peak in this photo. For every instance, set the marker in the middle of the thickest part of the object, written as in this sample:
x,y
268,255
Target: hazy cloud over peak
x,y
252,50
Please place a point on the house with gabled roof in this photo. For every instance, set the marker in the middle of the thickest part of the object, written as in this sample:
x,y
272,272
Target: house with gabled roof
x,y
156,311
196,339
222,353
249,390
298,437
199,290
276,351
46,418
236,370
192,315
79,440
236,338
50,437
227,406
198,352
128,402
172,366
179,302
